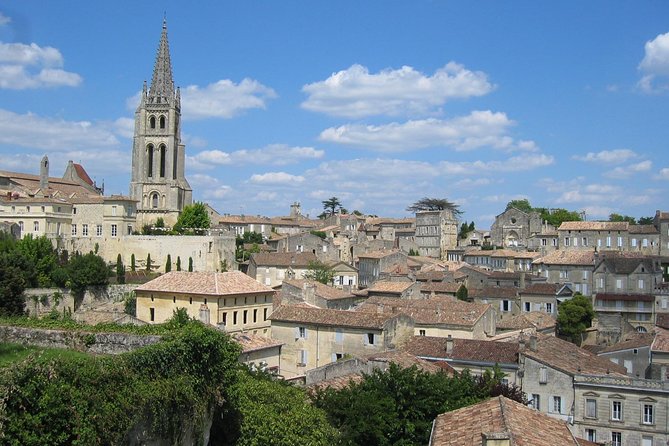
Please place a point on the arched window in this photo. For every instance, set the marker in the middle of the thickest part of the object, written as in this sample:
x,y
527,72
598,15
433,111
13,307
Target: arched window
x,y
150,166
162,122
162,160
154,200
174,163
152,122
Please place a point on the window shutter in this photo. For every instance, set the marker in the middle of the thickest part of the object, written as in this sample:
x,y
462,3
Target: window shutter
x,y
305,353
297,332
364,339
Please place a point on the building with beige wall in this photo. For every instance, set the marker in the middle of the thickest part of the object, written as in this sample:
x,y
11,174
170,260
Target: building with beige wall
x,y
314,337
232,300
271,268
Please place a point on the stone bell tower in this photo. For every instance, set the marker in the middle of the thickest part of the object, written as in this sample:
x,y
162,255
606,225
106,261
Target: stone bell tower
x,y
158,156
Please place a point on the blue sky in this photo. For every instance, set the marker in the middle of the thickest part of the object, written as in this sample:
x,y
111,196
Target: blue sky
x,y
379,103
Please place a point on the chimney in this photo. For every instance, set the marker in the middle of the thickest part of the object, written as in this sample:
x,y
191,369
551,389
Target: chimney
x,y
533,342
521,344
44,173
379,309
449,344
495,439
522,280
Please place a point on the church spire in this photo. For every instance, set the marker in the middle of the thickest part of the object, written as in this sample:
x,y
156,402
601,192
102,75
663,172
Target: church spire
x,y
162,85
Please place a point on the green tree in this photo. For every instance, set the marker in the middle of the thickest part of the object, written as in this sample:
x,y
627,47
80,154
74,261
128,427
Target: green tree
x,y
224,266
120,270
132,263
320,272
178,263
622,218
40,253
558,216
148,263
194,219
434,204
331,205
12,285
521,204
471,226
190,264
462,293
574,317
267,412
168,264
87,270
646,220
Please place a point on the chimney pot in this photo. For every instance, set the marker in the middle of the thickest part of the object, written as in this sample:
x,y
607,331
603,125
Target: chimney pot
x,y
533,342
449,344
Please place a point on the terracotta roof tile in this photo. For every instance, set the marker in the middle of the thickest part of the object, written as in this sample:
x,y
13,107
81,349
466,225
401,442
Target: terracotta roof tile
x,y
547,289
493,292
336,318
251,342
533,319
284,259
206,283
377,254
594,226
643,229
440,287
386,286
662,320
567,257
637,340
661,342
320,289
500,415
435,311
463,349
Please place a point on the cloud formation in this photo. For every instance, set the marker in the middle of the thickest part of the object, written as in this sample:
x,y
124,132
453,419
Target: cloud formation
x,y
476,130
655,65
273,154
277,178
355,93
224,99
31,66
607,156
622,172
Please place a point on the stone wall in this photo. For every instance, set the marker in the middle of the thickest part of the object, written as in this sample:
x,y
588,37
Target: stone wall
x,y
100,343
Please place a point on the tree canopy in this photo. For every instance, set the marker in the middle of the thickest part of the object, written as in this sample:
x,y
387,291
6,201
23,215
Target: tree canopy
x,y
332,205
574,317
319,272
193,219
554,216
434,204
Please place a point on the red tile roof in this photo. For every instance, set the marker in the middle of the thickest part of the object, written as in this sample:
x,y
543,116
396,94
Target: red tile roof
x,y
336,318
463,349
437,311
206,283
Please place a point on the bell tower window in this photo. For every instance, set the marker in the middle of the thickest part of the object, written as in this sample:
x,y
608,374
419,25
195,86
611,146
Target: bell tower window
x,y
152,122
162,161
150,166
174,164
162,122
154,200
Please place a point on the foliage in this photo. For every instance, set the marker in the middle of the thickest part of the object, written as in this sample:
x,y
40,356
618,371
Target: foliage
x,y
130,304
132,263
87,270
160,223
12,285
224,266
194,219
357,212
168,264
320,272
462,293
120,270
249,238
331,205
320,234
397,406
262,411
465,229
522,205
622,218
178,263
434,204
97,400
40,254
413,252
574,317
190,264
148,263
646,220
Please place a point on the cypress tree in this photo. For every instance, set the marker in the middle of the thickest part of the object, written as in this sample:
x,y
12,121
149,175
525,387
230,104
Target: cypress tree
x,y
168,264
148,263
132,263
120,270
190,264
178,263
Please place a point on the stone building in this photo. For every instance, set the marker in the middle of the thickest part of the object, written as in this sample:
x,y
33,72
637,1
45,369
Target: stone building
x,y
158,183
436,233
372,265
513,228
271,268
231,300
568,267
606,235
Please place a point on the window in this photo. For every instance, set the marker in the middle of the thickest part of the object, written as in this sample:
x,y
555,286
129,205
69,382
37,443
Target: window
x,y
421,332
152,314
584,241
369,339
566,241
535,401
74,229
505,305
339,336
234,318
619,283
301,333
264,314
543,375
528,306
616,439
644,243
244,317
620,242
564,274
36,226
225,316
255,315
302,357
154,200
98,230
556,406
591,408
549,308
633,243
608,241
599,242
84,230
585,275
162,122
21,226
648,414
640,284
591,435
646,440
616,410
600,282
114,230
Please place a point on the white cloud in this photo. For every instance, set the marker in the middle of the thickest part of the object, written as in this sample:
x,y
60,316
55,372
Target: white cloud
x,y
273,154
33,131
355,93
470,183
125,127
476,130
621,172
4,20
663,174
598,197
277,178
224,99
655,64
31,66
607,156
512,164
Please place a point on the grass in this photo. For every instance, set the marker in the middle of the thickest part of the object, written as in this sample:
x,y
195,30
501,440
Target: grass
x,y
12,353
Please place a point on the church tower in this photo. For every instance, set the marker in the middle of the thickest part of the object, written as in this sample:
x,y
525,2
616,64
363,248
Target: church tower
x,y
158,156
